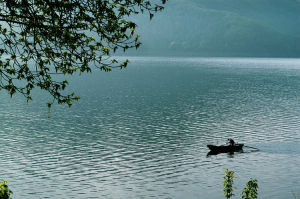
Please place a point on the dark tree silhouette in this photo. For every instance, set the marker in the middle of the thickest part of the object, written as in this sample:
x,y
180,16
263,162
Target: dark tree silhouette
x,y
40,39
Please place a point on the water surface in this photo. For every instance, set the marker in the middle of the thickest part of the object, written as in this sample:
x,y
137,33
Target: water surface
x,y
142,132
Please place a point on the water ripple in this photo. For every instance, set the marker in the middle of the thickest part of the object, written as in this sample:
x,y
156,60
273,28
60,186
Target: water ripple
x,y
143,132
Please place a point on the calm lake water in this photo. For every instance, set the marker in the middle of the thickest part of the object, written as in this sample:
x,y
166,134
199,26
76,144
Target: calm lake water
x,y
142,132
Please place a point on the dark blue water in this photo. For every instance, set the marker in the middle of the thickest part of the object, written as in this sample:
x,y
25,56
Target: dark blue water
x,y
142,132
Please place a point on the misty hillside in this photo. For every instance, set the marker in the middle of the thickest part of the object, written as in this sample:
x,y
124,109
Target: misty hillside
x,y
223,28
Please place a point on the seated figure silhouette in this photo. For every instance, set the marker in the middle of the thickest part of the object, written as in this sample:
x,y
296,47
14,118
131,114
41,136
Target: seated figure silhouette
x,y
231,142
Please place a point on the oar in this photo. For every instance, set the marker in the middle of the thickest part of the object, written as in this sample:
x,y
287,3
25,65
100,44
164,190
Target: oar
x,y
252,147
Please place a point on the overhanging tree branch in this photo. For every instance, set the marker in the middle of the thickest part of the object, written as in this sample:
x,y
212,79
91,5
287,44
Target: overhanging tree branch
x,y
43,38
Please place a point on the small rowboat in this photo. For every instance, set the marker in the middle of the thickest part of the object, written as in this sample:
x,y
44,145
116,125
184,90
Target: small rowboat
x,y
225,148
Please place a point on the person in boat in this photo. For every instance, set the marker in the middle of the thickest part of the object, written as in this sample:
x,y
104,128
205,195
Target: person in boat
x,y
231,142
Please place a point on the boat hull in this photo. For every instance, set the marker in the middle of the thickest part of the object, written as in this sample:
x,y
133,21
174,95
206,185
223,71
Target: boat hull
x,y
225,148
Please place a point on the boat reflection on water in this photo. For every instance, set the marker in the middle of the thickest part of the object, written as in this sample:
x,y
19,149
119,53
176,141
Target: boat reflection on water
x,y
230,154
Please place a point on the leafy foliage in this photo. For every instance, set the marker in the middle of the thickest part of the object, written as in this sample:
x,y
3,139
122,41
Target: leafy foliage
x,y
228,184
5,192
250,191
42,39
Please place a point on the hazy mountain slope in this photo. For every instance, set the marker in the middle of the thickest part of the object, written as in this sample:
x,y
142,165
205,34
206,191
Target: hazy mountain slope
x,y
224,28
283,15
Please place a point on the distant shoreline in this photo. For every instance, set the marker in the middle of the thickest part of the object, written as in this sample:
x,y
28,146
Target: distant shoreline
x,y
124,55
143,53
